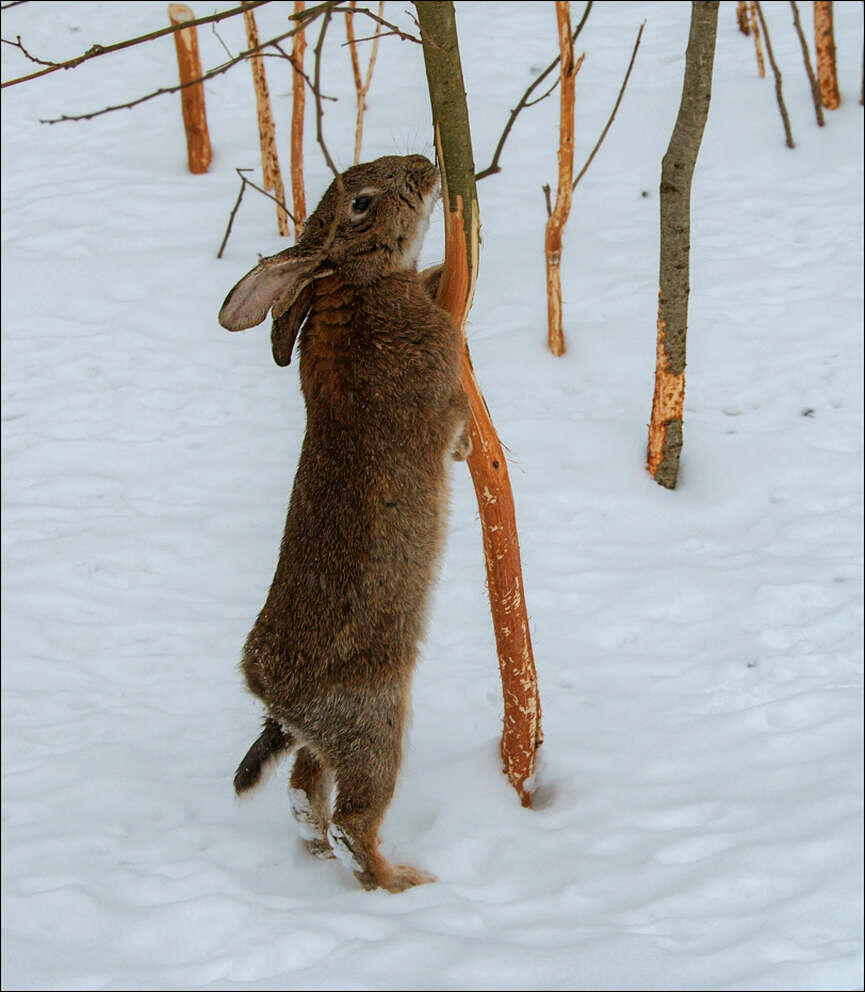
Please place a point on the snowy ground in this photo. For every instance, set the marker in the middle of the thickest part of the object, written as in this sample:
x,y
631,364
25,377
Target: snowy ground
x,y
699,820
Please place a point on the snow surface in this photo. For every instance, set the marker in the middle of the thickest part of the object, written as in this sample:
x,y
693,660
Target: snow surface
x,y
699,801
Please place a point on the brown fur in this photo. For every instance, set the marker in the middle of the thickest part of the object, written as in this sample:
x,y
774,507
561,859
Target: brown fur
x,y
332,652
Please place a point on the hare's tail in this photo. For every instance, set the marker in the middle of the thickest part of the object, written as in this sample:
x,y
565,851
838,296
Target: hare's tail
x,y
272,744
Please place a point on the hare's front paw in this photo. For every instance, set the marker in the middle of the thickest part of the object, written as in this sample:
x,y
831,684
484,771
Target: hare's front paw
x,y
462,446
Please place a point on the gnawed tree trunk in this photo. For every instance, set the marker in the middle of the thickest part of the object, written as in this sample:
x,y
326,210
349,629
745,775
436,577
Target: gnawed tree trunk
x,y
298,106
665,431
824,42
568,70
742,17
198,150
271,175
521,736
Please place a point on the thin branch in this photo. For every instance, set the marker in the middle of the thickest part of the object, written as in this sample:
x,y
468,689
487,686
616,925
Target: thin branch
x,y
547,192
316,89
192,82
393,28
281,53
19,44
221,41
531,103
231,216
812,79
96,50
584,169
244,182
778,93
494,166
12,3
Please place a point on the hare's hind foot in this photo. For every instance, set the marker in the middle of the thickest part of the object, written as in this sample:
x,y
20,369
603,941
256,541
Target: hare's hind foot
x,y
308,797
371,869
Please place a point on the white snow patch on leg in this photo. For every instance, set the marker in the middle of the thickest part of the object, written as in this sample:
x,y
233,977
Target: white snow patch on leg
x,y
339,844
308,823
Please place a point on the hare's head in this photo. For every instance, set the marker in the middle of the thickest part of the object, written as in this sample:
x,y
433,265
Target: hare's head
x,y
370,223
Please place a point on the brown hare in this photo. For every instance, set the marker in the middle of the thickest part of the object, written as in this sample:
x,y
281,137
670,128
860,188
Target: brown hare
x,y
332,652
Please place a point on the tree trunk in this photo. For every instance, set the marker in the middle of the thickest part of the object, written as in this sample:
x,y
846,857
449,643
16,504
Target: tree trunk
x,y
298,106
521,735
824,42
198,151
271,175
568,70
665,431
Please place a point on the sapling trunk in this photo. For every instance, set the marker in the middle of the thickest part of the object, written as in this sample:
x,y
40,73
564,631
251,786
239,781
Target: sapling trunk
x,y
191,97
298,106
665,431
521,736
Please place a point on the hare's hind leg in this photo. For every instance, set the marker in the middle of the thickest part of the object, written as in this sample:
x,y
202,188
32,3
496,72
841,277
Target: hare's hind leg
x,y
309,799
366,778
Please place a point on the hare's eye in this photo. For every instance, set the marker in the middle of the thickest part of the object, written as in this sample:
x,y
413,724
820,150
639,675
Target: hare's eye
x,y
360,204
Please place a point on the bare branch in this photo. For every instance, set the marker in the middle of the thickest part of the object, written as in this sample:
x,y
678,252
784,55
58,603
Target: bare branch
x,y
244,182
531,103
18,44
12,3
192,82
96,50
393,28
494,166
600,141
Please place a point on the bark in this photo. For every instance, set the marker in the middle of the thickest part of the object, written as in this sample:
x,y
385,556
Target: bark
x,y
298,106
521,736
568,70
198,150
779,93
824,42
665,431
271,175
755,29
809,69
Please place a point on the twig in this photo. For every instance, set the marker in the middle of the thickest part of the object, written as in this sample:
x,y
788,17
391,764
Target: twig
x,y
244,182
584,169
812,79
231,216
393,28
192,82
778,93
531,103
361,85
281,53
19,44
494,166
547,193
219,38
319,136
96,50
12,3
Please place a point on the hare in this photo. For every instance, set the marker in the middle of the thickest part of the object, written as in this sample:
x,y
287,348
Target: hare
x,y
332,652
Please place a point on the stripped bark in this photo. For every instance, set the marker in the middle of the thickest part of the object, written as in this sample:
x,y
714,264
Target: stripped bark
x,y
521,736
824,42
755,30
809,69
742,17
198,152
298,106
270,172
361,83
568,70
779,93
677,171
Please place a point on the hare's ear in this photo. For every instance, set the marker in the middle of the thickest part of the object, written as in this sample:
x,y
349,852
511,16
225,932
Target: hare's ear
x,y
274,282
287,324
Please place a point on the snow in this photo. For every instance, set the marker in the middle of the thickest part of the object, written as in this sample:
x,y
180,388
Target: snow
x,y
698,818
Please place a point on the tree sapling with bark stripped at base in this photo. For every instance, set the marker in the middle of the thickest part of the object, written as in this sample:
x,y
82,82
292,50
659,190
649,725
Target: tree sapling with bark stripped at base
x,y
677,171
191,97
521,734
824,39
